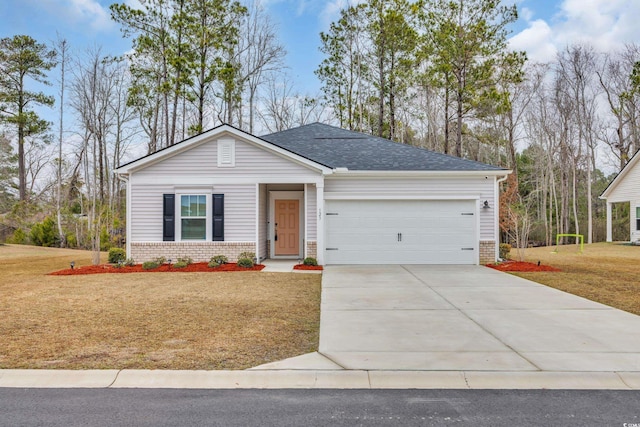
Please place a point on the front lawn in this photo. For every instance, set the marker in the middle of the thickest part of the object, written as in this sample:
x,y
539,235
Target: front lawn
x,y
608,273
149,321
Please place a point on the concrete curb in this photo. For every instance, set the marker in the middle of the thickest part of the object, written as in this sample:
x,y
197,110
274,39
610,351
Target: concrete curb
x,y
318,379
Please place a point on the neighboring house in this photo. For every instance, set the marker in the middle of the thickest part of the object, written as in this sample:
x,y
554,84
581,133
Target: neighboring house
x,y
625,188
340,196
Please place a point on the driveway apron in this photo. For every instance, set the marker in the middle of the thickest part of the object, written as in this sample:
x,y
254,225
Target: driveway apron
x,y
435,317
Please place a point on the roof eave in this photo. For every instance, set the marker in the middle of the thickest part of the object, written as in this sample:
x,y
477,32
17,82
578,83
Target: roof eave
x,y
342,172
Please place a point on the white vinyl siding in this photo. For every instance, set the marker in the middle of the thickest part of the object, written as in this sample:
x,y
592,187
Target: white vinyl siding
x,y
250,162
312,213
446,187
629,186
146,209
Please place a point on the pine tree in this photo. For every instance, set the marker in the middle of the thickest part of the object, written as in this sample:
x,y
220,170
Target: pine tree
x,y
23,58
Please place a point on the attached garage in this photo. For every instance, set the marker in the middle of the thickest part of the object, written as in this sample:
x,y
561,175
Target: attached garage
x,y
401,232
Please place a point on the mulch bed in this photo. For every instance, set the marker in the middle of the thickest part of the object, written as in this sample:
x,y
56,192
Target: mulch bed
x,y
520,266
307,267
196,267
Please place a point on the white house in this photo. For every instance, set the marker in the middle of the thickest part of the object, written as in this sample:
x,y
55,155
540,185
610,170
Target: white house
x,y
340,196
626,188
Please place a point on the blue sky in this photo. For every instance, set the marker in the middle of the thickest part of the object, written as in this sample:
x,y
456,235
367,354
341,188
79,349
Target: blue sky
x,y
544,27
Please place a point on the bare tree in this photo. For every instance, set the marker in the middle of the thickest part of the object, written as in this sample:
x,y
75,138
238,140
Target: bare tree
x,y
259,53
621,131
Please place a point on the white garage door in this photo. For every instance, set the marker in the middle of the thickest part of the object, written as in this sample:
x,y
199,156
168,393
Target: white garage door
x,y
401,232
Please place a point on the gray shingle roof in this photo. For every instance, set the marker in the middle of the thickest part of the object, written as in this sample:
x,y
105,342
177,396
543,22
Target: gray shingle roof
x,y
340,148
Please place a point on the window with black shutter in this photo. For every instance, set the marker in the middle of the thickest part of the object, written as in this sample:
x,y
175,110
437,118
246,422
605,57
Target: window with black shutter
x,y
218,217
168,217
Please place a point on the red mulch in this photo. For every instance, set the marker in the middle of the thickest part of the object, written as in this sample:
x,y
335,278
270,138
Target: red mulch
x,y
307,267
519,266
196,267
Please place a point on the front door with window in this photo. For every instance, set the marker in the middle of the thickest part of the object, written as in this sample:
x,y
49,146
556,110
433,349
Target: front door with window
x,y
287,228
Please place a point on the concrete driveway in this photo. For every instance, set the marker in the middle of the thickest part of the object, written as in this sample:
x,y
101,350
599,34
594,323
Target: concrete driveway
x,y
467,318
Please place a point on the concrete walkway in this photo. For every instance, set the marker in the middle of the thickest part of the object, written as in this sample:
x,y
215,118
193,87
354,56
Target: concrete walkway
x,y
468,318
430,327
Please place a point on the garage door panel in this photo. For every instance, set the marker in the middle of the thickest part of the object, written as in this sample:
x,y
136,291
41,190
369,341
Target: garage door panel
x,y
401,232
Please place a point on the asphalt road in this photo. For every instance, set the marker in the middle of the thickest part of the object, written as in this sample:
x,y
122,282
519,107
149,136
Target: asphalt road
x,y
146,407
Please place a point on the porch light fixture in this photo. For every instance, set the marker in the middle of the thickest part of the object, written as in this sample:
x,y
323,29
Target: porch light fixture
x,y
485,205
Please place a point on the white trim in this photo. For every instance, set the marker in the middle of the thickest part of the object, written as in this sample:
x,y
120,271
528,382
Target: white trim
x,y
609,224
306,228
320,238
128,216
257,200
389,196
476,241
183,181
291,195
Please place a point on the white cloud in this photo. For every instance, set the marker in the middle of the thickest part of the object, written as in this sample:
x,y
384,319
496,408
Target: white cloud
x,y
84,14
605,24
331,11
536,40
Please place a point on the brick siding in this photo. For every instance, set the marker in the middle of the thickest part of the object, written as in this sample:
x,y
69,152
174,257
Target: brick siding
x,y
198,251
312,249
487,251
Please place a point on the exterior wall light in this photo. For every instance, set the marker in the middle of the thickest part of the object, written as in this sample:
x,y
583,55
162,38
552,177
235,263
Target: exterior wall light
x,y
485,205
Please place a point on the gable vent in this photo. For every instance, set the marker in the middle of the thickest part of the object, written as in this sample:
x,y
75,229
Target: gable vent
x,y
226,153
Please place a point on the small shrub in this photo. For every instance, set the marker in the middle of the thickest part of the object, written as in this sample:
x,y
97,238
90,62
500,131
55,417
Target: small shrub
x,y
118,264
129,262
18,237
310,261
217,261
160,260
44,233
181,264
184,260
504,250
116,255
245,262
150,265
250,255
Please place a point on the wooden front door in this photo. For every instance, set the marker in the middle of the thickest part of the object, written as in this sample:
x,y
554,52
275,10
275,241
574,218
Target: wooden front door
x,y
287,227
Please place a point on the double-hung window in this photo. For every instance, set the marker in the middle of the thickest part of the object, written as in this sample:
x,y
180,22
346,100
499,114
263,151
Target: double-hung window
x,y
193,217
187,216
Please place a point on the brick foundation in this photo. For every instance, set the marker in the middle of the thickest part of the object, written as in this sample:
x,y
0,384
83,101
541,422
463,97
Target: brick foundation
x,y
312,249
487,251
198,251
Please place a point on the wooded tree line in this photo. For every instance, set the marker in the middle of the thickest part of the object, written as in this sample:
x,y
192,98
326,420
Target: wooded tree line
x,y
432,73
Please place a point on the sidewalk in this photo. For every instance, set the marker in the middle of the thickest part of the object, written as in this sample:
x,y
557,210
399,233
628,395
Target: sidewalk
x,y
318,379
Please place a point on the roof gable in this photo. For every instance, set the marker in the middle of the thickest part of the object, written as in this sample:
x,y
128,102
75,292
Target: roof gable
x,y
629,172
355,151
211,135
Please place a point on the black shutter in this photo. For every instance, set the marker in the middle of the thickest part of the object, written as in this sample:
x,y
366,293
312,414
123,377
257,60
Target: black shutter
x,y
168,217
218,217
